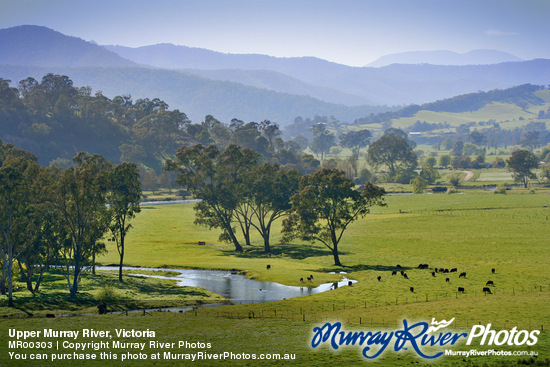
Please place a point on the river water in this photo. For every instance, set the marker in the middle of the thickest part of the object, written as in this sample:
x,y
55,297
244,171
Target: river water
x,y
236,287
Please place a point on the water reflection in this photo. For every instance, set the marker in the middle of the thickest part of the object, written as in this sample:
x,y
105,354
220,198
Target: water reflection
x,y
236,287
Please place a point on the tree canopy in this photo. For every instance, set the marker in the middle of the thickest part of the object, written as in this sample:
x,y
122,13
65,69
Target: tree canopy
x,y
325,205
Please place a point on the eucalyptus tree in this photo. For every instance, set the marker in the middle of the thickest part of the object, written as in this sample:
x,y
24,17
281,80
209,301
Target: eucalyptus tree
x,y
326,204
123,199
521,163
270,190
16,178
215,177
81,198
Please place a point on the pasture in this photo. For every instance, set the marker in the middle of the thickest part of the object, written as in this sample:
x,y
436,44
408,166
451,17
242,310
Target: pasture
x,y
474,232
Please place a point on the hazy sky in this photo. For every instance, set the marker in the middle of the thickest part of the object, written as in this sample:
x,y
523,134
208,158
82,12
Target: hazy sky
x,y
353,32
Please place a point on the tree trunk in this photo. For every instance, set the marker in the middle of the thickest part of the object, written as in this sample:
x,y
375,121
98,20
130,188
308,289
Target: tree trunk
x,y
267,248
235,241
121,258
336,257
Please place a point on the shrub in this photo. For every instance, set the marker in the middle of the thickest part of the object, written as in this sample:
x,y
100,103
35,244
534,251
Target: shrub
x,y
501,189
106,293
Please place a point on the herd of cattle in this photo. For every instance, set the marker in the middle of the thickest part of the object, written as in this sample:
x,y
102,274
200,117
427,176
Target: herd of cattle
x,y
486,289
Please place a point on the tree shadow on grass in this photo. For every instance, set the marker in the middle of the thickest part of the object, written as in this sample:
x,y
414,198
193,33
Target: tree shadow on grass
x,y
293,251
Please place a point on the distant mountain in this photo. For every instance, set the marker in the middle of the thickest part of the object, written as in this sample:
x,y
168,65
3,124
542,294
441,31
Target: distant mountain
x,y
41,46
444,57
396,84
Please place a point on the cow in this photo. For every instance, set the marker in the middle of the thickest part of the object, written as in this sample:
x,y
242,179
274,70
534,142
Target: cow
x,y
379,278
302,280
490,282
433,273
394,272
402,273
268,267
446,270
487,290
411,289
350,283
447,280
436,270
453,270
462,275
311,276
461,290
493,270
398,266
202,243
309,279
405,276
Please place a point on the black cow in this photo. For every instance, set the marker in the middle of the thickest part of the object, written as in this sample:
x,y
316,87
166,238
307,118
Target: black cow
x,y
462,275
493,270
394,272
405,276
447,280
487,290
268,267
433,273
461,290
412,289
379,278
490,282
454,270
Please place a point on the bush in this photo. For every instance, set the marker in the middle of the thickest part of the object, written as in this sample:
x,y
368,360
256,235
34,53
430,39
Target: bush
x,y
501,189
106,293
454,179
419,184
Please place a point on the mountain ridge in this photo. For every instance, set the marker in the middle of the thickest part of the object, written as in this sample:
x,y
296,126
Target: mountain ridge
x,y
445,57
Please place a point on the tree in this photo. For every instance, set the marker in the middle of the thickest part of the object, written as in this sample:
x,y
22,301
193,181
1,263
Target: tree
x,y
355,140
215,177
419,184
270,190
429,173
520,164
323,140
445,160
123,201
458,149
325,205
545,172
81,201
16,177
393,152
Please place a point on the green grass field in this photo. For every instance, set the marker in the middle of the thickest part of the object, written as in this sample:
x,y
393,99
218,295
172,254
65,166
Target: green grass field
x,y
473,232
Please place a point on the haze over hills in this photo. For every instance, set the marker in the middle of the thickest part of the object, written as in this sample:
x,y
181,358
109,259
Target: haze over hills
x,y
389,85
248,87
445,57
